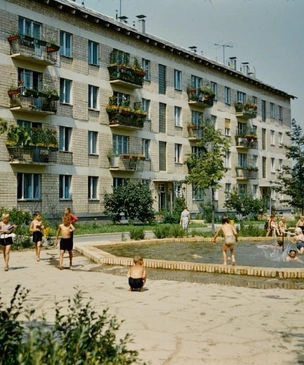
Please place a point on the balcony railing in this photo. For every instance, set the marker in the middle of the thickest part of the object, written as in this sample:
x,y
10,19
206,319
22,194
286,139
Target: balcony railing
x,y
31,155
30,100
126,75
243,172
194,132
33,49
245,110
127,162
125,117
246,141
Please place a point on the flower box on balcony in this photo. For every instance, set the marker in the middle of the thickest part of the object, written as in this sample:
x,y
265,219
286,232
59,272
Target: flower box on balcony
x,y
191,126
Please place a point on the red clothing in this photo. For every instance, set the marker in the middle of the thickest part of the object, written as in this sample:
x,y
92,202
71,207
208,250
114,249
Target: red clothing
x,y
72,218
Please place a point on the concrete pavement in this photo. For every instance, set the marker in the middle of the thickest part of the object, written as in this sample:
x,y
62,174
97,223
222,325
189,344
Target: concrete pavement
x,y
173,322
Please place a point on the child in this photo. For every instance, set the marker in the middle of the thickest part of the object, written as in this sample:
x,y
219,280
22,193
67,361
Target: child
x,y
185,218
6,238
292,256
66,244
299,240
36,227
230,236
137,275
72,218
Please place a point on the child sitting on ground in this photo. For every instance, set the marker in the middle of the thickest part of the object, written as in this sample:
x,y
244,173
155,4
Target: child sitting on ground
x,y
137,274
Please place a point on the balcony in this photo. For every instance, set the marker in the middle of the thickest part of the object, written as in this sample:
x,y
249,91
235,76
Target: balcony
x,y
31,49
32,101
127,162
125,117
246,172
195,133
245,110
31,155
202,97
126,76
246,142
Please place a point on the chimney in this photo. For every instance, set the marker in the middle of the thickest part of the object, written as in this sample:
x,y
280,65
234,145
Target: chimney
x,y
141,23
193,48
232,62
244,68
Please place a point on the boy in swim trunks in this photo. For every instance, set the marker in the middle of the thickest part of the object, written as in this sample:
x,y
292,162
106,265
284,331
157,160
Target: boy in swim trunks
x,y
66,244
137,275
36,227
230,238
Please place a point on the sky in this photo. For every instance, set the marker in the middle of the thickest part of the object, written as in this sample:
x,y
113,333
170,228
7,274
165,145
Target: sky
x,y
269,34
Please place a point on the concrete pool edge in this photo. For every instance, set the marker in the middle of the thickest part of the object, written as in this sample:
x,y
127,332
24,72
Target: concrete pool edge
x,y
94,253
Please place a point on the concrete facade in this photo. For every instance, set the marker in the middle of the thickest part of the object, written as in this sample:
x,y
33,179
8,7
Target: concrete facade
x,y
65,182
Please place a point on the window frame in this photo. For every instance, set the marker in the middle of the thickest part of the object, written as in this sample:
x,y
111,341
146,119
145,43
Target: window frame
x,y
66,44
93,143
93,187
93,52
93,97
28,180
65,137
65,91
65,184
177,80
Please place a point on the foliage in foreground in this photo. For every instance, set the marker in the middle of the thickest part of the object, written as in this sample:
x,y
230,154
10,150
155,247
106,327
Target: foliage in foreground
x,y
80,337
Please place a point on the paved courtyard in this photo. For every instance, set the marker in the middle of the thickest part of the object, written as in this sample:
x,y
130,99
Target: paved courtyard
x,y
173,322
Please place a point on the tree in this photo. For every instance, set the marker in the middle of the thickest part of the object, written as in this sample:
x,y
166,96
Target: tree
x,y
244,204
206,168
133,200
290,178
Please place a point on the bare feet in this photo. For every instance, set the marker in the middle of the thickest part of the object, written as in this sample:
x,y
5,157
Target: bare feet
x,y
233,263
6,268
71,268
59,267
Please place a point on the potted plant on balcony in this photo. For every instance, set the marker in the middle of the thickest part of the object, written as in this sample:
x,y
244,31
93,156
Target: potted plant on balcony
x,y
13,37
138,70
191,126
239,106
113,157
207,92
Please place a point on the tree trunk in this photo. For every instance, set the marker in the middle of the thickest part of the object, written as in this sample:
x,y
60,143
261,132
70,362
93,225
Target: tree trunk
x,y
213,210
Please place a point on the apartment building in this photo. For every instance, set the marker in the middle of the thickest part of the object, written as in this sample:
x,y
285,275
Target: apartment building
x,y
88,102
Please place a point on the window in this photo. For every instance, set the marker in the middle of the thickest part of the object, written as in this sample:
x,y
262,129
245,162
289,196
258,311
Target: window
x,y
30,79
254,100
29,27
65,44
255,160
92,142
27,124
119,181
213,119
272,165
28,186
197,194
161,79
272,110
263,110
241,128
92,97
272,138
92,187
146,65
162,117
162,153
263,139
196,118
178,153
264,165
214,89
145,104
65,186
280,113
272,194
146,148
227,94
227,161
255,191
120,144
241,96
122,99
242,159
177,116
227,127
227,187
196,150
177,80
119,57
280,168
65,91
280,138
242,189
93,53
196,82
65,134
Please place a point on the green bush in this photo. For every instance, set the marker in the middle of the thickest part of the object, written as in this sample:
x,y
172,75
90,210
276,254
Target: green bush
x,y
176,230
168,230
137,233
251,231
79,337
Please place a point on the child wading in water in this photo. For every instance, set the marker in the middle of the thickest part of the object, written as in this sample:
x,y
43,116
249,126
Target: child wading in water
x,y
66,244
230,238
137,274
36,227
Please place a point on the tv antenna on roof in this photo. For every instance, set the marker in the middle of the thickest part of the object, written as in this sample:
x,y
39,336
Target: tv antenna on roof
x,y
224,46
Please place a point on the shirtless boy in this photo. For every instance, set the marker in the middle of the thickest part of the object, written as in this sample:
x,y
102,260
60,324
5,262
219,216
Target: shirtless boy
x,y
230,238
66,244
36,227
137,274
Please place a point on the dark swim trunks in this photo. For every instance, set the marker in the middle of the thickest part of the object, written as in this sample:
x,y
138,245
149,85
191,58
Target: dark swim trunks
x,y
6,241
66,244
37,236
300,244
136,284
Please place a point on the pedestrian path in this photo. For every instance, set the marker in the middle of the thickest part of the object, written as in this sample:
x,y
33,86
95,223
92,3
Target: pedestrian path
x,y
173,322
